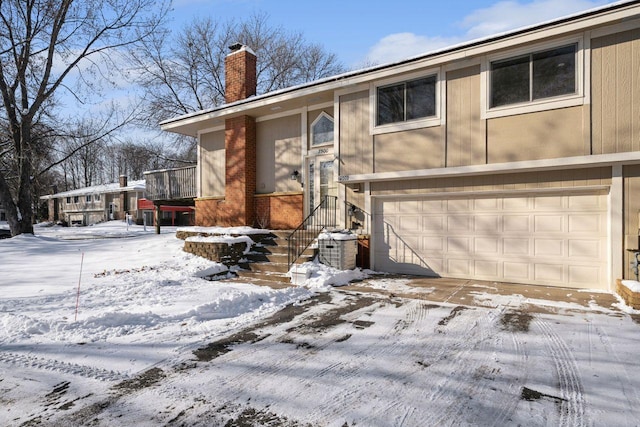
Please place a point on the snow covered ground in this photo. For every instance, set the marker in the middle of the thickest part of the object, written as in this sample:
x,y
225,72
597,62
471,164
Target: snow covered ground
x,y
156,344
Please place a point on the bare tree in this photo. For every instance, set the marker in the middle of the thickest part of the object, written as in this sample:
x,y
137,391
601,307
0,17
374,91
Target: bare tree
x,y
185,73
49,46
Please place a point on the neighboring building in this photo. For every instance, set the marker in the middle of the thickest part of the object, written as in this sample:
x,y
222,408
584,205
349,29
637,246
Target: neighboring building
x,y
511,158
91,205
174,215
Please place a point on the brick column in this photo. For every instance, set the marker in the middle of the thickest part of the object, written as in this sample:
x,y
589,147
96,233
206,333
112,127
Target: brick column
x,y
240,174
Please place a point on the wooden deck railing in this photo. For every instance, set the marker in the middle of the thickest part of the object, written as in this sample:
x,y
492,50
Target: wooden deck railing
x,y
171,184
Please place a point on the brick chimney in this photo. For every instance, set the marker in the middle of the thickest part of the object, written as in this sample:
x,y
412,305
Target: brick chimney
x,y
123,180
240,79
239,141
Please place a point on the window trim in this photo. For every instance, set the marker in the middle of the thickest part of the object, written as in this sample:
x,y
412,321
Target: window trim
x,y
561,101
311,132
430,121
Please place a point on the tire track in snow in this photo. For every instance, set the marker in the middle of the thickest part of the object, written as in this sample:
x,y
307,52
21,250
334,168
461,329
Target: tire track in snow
x,y
342,403
472,341
262,370
85,371
572,408
622,376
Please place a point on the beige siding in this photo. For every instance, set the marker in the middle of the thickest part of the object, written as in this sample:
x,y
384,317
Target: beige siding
x,y
212,164
615,92
278,155
409,150
503,182
631,212
466,132
356,148
543,135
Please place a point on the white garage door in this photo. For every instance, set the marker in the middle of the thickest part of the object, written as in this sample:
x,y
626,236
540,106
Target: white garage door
x,y
540,239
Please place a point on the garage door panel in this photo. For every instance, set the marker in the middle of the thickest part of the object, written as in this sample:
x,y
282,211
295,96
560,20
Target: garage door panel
x,y
433,223
590,249
553,240
459,223
487,224
431,244
516,224
409,223
586,202
516,204
434,206
490,205
549,273
486,268
459,245
515,247
549,247
549,223
487,245
517,271
459,266
585,223
583,275
548,203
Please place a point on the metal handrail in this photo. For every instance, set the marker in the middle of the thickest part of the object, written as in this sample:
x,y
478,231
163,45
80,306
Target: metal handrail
x,y
322,216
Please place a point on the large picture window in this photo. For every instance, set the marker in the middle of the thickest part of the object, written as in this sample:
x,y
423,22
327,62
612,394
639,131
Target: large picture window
x,y
527,78
406,101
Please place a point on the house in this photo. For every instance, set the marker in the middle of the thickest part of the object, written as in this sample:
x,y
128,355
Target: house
x,y
511,158
90,205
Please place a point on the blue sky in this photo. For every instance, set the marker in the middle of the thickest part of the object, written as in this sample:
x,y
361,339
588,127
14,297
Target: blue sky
x,y
384,31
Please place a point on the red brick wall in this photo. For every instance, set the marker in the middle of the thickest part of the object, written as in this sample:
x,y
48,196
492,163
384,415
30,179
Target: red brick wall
x,y
282,212
240,75
207,212
240,175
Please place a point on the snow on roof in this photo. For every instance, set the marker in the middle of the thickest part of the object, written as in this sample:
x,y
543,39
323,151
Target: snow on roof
x,y
113,187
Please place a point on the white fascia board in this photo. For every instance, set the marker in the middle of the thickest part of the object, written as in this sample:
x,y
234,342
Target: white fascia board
x,y
499,168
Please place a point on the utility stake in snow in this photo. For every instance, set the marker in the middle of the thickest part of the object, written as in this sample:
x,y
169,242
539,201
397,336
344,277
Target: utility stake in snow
x,y
78,295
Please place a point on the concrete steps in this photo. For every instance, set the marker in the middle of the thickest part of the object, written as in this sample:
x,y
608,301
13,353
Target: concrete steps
x,y
267,263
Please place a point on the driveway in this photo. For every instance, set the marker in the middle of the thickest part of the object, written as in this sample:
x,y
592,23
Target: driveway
x,y
395,351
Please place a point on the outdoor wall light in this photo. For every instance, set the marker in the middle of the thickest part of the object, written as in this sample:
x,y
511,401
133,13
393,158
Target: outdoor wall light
x,y
295,175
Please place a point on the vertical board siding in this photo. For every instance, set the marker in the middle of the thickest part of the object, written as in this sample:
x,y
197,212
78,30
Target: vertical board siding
x,y
541,135
356,148
465,129
278,154
503,182
410,150
212,164
615,92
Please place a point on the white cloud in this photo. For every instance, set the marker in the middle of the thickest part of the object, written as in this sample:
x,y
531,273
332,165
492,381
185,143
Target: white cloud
x,y
403,45
500,17
507,15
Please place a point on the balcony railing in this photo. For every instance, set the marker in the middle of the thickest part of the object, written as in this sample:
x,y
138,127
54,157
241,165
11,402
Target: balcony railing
x,y
171,184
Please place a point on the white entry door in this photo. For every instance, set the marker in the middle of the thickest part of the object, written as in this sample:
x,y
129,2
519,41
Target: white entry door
x,y
320,180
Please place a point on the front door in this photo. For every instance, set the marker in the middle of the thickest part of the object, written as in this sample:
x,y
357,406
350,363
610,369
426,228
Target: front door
x,y
321,180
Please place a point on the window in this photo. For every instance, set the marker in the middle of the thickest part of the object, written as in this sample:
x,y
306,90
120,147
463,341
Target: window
x,y
88,198
76,199
322,130
68,200
96,197
528,78
406,101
